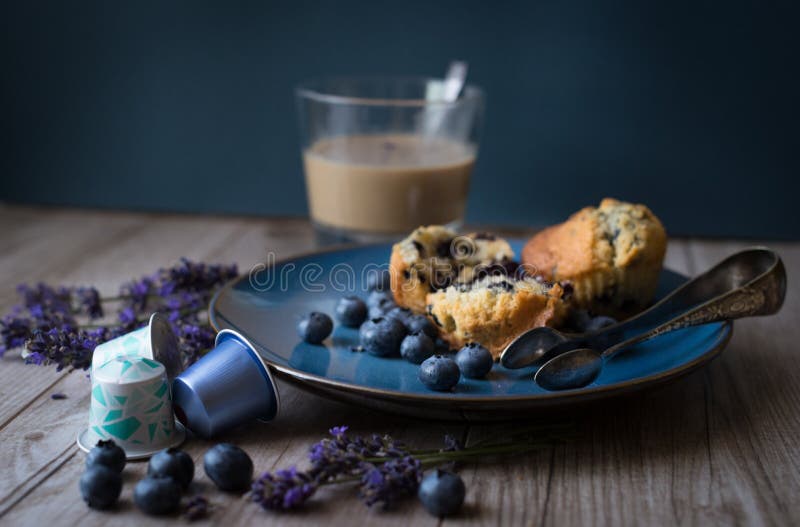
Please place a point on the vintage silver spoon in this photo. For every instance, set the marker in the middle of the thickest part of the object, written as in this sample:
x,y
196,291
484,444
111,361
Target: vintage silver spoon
x,y
757,286
538,345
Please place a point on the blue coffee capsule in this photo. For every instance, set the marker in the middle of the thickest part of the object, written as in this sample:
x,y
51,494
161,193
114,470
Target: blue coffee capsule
x,y
229,386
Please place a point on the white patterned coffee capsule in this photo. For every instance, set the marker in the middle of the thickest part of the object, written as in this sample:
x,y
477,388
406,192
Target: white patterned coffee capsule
x,y
155,341
131,404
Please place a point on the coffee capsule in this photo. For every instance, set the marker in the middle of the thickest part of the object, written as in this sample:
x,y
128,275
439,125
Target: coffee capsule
x,y
229,386
155,341
131,404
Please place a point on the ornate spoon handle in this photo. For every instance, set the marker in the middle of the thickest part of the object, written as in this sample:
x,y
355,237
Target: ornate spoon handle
x,y
735,294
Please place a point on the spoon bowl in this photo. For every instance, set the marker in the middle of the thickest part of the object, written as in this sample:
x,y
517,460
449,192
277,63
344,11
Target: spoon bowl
x,y
536,344
570,370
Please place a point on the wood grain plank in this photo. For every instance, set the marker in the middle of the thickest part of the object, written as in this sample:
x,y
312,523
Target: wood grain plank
x,y
754,396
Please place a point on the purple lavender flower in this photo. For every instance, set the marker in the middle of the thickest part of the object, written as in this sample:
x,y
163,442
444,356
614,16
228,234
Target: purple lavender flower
x,y
189,276
137,293
48,307
49,299
283,490
194,339
451,444
14,331
338,431
89,301
391,481
196,508
64,347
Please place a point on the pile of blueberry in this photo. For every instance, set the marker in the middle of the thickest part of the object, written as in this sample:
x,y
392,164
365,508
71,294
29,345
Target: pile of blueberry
x,y
388,330
169,474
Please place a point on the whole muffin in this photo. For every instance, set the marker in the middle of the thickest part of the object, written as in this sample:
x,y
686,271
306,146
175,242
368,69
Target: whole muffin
x,y
611,254
434,257
494,310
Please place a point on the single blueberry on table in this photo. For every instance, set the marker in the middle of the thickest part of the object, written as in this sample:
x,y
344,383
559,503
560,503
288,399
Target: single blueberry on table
x,y
439,373
100,486
172,463
417,347
382,336
379,280
598,323
351,311
442,493
229,467
157,495
315,327
108,454
474,360
416,323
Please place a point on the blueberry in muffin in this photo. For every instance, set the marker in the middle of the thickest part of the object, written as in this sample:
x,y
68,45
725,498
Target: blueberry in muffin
x,y
433,258
494,310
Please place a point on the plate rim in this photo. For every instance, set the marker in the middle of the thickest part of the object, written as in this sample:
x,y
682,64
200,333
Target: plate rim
x,y
722,338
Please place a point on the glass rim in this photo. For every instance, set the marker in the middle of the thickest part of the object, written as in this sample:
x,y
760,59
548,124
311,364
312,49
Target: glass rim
x,y
306,90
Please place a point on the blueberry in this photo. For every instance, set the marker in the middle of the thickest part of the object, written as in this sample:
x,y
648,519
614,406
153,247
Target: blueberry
x,y
377,297
379,303
380,310
108,454
379,280
417,347
382,336
172,463
579,319
157,495
403,314
442,493
439,373
351,311
416,323
100,486
315,327
598,323
442,346
474,360
229,467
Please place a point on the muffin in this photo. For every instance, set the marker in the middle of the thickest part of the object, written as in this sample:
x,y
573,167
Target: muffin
x,y
494,310
432,258
611,255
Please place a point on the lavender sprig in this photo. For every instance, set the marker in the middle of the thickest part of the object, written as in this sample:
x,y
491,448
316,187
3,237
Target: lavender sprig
x,y
283,489
49,319
63,347
384,469
196,508
390,481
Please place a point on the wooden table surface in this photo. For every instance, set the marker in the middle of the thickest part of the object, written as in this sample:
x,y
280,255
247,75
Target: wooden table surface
x,y
720,446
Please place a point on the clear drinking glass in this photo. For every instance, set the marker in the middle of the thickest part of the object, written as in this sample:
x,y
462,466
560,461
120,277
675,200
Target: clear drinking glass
x,y
383,156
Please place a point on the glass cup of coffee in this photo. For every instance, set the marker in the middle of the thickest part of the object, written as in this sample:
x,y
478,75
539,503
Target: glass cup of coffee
x,y
383,156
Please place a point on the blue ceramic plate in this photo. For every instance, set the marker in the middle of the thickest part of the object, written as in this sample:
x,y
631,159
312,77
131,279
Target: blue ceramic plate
x,y
266,306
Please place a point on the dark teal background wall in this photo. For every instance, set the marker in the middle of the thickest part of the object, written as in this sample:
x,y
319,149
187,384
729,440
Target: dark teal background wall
x,y
690,107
